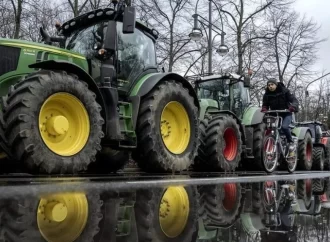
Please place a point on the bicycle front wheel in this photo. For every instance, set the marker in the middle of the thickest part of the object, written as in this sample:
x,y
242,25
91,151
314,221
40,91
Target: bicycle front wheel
x,y
270,155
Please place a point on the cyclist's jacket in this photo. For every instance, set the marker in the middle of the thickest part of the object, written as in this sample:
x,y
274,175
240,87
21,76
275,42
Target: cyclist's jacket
x,y
280,99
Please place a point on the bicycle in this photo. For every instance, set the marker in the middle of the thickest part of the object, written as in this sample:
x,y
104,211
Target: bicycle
x,y
279,198
276,149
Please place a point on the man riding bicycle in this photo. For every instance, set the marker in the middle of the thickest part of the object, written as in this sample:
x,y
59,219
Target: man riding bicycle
x,y
278,97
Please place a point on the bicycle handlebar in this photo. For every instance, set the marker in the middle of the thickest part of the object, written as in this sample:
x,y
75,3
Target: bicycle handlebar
x,y
278,111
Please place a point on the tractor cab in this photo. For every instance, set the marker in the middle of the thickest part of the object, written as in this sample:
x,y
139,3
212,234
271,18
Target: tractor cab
x,y
115,45
229,90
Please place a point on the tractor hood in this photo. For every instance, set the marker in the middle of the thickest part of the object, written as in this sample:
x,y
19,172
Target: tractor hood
x,y
17,55
31,48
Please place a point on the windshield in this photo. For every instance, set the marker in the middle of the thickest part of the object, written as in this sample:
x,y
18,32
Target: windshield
x,y
135,52
241,98
84,41
234,97
217,90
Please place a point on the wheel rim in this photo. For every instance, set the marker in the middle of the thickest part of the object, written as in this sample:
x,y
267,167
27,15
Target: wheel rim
x,y
231,143
269,186
175,127
64,124
62,217
230,198
174,211
269,155
309,151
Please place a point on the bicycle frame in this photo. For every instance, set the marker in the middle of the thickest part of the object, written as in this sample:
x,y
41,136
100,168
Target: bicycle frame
x,y
274,124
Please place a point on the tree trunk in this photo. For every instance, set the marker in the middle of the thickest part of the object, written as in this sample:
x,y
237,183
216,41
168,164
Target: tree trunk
x,y
171,54
18,19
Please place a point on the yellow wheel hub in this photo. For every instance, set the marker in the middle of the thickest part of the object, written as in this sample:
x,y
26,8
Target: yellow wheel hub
x,y
175,127
64,124
174,211
62,217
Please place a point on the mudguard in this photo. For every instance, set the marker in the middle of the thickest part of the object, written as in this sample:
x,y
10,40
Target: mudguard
x,y
252,116
147,83
300,132
206,105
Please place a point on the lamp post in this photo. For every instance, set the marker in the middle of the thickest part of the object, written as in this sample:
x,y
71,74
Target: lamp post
x,y
196,33
307,94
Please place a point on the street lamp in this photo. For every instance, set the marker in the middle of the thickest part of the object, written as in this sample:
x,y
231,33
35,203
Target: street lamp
x,y
197,34
307,94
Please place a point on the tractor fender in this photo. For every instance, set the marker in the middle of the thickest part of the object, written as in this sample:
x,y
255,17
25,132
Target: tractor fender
x,y
148,82
241,126
300,132
252,116
69,67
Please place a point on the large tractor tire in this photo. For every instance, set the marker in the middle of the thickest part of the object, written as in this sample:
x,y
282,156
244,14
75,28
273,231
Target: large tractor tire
x,y
201,159
167,215
222,144
319,186
54,218
109,160
305,153
53,123
318,158
305,191
258,141
326,142
167,129
222,204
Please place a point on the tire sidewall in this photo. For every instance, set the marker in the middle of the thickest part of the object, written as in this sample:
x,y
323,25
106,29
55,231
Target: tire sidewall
x,y
163,100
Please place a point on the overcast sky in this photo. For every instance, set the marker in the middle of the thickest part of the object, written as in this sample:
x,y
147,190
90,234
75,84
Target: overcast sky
x,y
319,10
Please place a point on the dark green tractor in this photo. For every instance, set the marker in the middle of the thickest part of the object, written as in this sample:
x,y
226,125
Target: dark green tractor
x,y
227,120
94,100
321,145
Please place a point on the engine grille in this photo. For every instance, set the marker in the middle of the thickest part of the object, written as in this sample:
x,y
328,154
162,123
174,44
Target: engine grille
x,y
8,59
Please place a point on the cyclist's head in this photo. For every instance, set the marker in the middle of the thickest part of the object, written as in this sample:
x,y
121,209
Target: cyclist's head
x,y
272,84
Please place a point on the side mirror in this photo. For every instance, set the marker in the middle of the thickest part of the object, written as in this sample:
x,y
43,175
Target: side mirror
x,y
247,81
45,36
110,40
129,20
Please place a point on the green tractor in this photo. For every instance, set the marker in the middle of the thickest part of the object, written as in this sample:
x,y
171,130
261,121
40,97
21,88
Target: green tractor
x,y
229,125
232,129
94,100
321,145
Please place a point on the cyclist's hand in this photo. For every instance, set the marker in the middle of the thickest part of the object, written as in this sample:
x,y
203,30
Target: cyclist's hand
x,y
263,109
291,109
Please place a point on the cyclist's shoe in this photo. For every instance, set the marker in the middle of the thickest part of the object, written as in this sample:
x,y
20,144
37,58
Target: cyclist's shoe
x,y
291,150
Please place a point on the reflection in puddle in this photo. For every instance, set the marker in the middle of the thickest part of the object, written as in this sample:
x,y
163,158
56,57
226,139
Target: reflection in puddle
x,y
290,210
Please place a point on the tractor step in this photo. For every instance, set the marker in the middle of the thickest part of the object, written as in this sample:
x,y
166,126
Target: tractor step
x,y
126,123
124,218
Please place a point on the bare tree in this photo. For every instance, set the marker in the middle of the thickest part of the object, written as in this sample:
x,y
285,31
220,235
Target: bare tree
x,y
294,45
168,17
17,6
239,19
